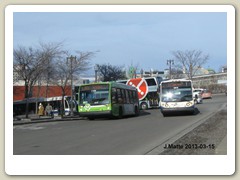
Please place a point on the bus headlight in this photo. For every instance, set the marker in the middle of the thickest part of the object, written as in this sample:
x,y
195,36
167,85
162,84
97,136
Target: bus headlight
x,y
80,108
189,104
108,106
165,105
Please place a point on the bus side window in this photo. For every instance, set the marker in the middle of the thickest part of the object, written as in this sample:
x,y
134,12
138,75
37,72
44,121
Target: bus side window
x,y
119,96
131,97
127,96
124,96
114,95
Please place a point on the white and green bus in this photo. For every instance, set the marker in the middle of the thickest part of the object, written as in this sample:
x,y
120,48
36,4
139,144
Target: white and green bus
x,y
176,95
107,99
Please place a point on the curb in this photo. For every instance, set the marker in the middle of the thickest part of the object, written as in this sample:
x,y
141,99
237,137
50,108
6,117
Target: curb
x,y
159,149
42,120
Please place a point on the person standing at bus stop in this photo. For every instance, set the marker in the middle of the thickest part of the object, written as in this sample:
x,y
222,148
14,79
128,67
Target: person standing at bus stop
x,y
40,110
48,110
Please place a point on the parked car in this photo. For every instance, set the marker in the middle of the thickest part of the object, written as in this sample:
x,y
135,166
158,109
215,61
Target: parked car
x,y
197,95
206,94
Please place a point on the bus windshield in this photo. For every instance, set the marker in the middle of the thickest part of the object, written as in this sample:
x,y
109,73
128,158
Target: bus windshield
x,y
94,95
176,94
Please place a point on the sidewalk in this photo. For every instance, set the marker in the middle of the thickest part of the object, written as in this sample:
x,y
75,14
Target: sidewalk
x,y
222,147
36,119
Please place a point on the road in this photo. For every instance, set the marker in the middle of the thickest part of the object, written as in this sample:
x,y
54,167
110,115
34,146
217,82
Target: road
x,y
127,136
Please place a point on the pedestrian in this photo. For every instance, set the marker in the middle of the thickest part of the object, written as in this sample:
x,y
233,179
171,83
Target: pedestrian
x,y
40,109
49,110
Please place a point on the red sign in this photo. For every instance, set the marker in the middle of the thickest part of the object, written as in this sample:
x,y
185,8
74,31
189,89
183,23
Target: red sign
x,y
141,86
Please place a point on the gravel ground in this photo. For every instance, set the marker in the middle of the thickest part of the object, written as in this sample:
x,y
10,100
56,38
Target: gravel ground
x,y
203,140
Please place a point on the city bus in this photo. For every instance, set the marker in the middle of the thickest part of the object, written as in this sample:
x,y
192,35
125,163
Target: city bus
x,y
176,96
19,107
107,99
152,98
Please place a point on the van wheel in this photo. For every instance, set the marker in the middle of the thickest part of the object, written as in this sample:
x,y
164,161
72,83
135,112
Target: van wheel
x,y
144,106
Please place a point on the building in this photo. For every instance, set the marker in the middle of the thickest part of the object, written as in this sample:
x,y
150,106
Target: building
x,y
46,91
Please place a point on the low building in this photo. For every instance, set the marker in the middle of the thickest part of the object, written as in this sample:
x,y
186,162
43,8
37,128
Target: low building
x,y
46,91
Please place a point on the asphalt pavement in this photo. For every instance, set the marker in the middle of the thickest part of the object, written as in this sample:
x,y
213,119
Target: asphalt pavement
x,y
221,148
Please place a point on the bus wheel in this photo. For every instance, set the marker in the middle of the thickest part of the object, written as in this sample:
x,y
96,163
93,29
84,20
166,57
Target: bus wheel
x,y
144,106
91,118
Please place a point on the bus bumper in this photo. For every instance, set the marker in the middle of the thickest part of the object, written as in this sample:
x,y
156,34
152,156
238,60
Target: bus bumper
x,y
178,110
95,114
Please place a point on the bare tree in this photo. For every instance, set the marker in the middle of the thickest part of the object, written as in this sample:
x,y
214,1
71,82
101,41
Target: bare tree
x,y
45,64
30,65
69,67
50,52
190,61
177,73
28,68
111,73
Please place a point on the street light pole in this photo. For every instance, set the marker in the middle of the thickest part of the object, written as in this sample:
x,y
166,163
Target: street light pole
x,y
170,62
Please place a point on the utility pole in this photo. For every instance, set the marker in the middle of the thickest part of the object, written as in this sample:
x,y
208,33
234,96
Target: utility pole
x,y
141,73
96,68
170,62
71,59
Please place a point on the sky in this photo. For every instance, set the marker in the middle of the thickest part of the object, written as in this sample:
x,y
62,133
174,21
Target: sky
x,y
143,39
